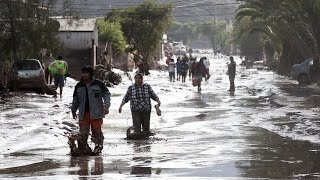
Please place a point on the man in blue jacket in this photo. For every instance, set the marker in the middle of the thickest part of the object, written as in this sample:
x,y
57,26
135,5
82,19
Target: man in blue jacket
x,y
92,98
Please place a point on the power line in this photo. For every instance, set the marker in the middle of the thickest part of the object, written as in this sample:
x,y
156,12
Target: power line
x,y
181,8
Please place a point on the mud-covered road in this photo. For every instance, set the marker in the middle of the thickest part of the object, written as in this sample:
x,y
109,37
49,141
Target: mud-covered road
x,y
269,128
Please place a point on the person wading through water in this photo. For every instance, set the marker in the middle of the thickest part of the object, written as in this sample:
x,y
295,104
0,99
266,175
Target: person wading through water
x,y
198,69
139,95
92,98
231,73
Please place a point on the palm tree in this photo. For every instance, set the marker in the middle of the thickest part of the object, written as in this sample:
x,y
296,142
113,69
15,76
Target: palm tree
x,y
287,25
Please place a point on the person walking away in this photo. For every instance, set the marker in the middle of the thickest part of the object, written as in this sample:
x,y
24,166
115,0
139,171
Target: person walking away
x,y
141,67
184,70
172,69
47,60
192,64
92,98
178,67
231,73
206,63
139,95
146,68
197,71
58,69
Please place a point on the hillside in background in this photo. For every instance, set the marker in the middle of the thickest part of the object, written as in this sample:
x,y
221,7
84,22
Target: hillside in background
x,y
184,10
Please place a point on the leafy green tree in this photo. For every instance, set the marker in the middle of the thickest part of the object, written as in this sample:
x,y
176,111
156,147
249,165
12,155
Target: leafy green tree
x,y
250,47
111,32
26,28
215,31
143,26
289,27
183,32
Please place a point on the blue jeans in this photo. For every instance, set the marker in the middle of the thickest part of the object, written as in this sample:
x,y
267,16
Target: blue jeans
x,y
58,80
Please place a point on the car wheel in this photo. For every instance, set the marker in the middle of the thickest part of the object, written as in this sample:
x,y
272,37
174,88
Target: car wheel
x,y
303,79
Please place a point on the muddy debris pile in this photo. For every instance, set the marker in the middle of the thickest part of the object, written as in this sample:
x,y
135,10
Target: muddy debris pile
x,y
4,93
110,78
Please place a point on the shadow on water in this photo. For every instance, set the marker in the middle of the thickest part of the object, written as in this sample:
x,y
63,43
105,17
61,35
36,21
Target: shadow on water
x,y
273,156
298,90
30,169
199,100
86,166
142,163
203,116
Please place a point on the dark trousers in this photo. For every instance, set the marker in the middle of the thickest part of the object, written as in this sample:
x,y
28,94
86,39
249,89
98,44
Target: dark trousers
x,y
171,76
231,79
183,76
141,118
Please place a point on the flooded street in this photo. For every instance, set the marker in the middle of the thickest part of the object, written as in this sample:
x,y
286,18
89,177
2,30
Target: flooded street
x,y
268,128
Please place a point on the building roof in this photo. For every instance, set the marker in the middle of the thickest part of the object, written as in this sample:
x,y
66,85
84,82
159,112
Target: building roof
x,y
83,25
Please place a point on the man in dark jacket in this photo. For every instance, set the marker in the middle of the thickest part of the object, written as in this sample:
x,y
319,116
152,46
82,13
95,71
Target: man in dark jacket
x,y
197,72
231,73
92,98
184,70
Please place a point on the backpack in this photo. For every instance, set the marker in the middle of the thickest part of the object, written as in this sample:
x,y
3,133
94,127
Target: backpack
x,y
58,67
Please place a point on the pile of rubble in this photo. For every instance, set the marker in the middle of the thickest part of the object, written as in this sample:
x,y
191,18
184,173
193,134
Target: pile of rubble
x,y
4,93
108,77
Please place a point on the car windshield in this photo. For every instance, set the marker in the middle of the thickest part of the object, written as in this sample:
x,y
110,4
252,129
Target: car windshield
x,y
28,65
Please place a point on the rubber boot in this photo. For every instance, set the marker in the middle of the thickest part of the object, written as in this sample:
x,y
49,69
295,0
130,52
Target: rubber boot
x,y
83,147
97,138
98,148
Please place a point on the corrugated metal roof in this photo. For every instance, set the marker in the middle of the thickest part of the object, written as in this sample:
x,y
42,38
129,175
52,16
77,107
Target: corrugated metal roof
x,y
76,25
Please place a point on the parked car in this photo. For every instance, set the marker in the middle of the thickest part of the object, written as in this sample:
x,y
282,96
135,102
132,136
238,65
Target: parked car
x,y
30,75
302,72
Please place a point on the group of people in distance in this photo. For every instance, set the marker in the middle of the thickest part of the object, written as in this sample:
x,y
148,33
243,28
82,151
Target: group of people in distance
x,y
197,70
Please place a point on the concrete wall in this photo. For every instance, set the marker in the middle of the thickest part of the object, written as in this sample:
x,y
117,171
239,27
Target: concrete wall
x,y
78,40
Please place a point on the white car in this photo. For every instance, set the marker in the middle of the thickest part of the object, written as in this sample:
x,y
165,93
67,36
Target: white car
x,y
30,75
303,72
